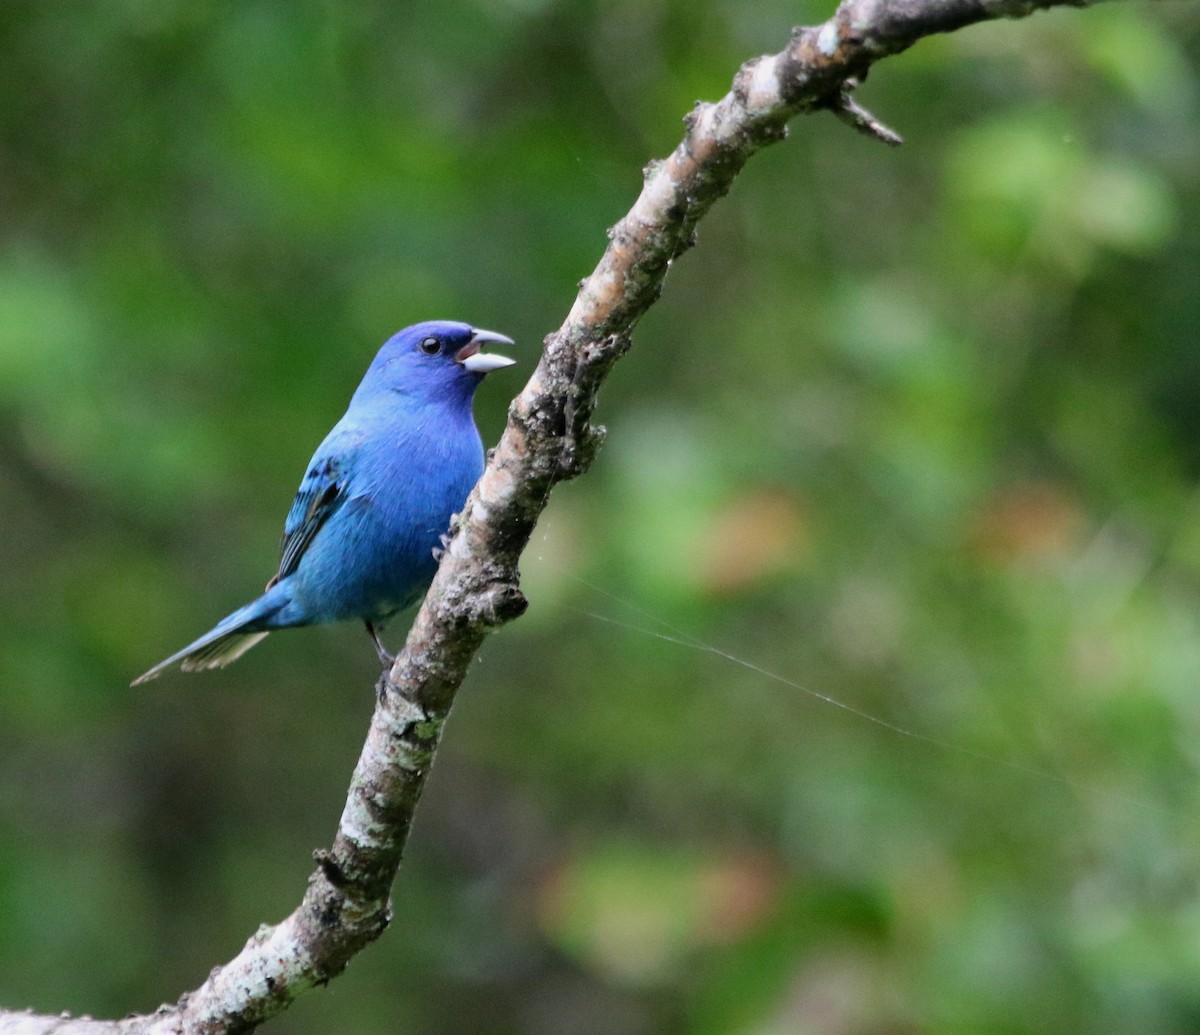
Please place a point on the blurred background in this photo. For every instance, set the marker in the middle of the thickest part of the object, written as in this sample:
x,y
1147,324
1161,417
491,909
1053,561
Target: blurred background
x,y
916,430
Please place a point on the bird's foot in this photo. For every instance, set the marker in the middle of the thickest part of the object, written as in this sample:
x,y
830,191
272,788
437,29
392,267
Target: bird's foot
x,y
386,659
440,551
382,685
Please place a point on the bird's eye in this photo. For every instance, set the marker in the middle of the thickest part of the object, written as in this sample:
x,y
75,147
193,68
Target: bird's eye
x,y
430,346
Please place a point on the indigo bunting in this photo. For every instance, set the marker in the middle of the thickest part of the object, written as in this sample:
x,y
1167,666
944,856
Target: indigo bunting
x,y
362,536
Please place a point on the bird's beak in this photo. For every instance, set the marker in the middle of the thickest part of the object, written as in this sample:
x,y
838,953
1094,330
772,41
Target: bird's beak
x,y
476,361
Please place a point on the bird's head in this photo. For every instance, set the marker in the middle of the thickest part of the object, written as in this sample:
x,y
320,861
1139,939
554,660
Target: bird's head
x,y
435,360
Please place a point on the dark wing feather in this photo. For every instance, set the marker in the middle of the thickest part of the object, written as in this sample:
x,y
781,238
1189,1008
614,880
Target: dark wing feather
x,y
320,495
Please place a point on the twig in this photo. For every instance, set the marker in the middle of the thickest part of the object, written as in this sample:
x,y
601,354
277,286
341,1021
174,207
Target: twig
x,y
846,108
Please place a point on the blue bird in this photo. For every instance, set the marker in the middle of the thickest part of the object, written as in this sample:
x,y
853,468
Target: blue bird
x,y
362,536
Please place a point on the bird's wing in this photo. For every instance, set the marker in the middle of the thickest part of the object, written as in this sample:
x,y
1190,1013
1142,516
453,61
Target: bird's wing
x,y
321,493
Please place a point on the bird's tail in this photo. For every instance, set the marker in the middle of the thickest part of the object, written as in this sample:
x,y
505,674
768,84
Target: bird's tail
x,y
225,642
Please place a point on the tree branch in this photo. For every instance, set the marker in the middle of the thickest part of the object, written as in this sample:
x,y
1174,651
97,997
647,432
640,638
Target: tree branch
x,y
549,438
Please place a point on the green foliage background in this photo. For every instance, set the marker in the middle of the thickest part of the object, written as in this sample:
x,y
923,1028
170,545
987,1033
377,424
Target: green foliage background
x,y
918,430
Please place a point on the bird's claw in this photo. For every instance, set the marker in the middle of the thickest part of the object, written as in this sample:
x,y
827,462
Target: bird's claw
x,y
381,687
440,551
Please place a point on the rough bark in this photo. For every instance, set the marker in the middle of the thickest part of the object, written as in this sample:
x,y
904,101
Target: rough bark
x,y
549,438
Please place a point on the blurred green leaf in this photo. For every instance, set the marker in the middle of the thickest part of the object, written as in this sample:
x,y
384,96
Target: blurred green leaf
x,y
858,687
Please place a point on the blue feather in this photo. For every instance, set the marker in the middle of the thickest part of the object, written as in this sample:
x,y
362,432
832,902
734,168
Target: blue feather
x,y
377,495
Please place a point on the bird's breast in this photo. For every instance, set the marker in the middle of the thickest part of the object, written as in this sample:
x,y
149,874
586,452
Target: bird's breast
x,y
376,555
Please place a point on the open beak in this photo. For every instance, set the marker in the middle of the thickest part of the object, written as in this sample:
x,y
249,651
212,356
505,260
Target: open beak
x,y
472,356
